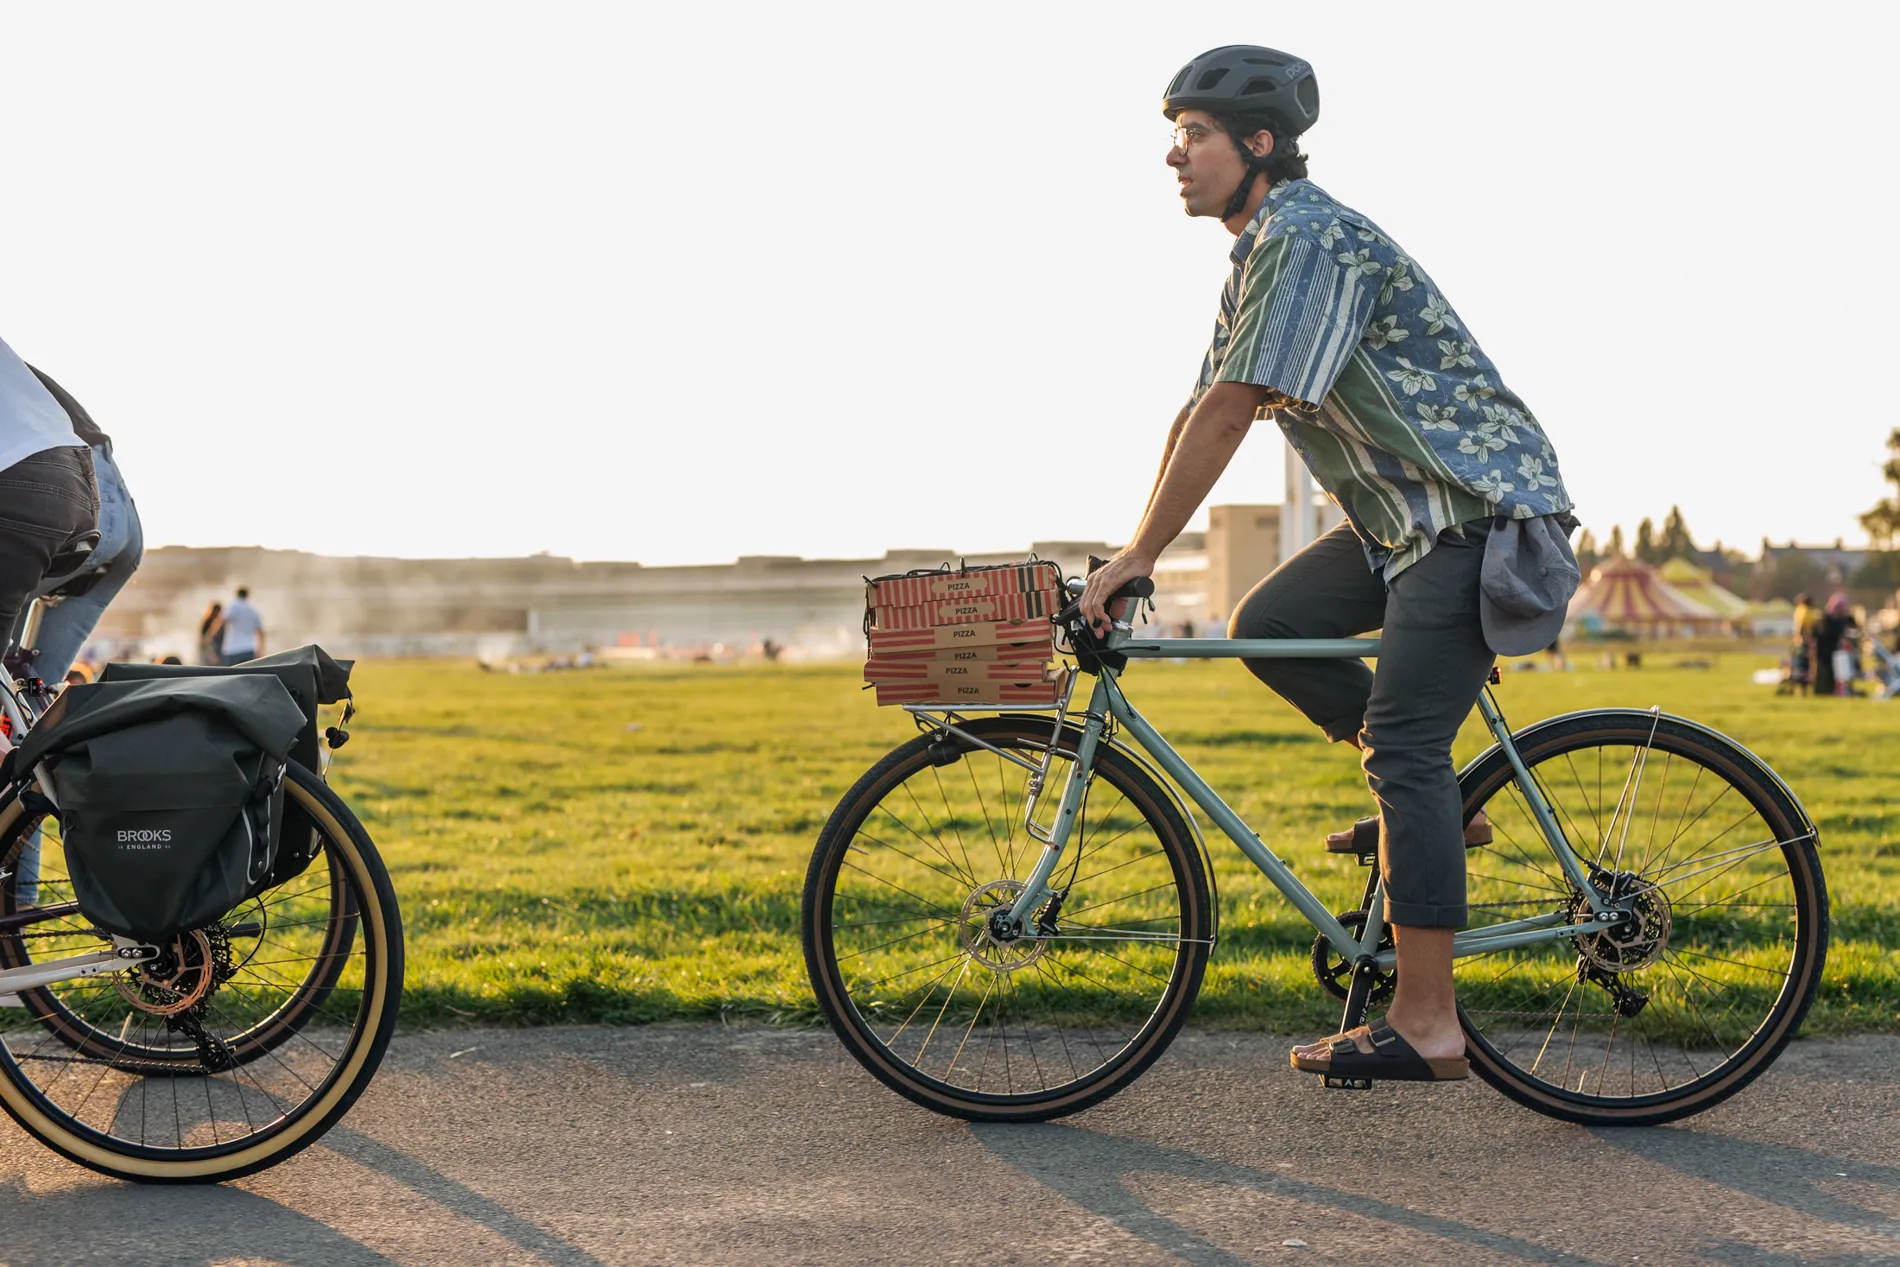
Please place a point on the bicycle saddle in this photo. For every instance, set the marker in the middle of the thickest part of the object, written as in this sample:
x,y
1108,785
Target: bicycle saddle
x,y
70,561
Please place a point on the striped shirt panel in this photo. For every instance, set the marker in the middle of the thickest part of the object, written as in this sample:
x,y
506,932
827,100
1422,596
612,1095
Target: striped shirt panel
x,y
1299,340
1398,413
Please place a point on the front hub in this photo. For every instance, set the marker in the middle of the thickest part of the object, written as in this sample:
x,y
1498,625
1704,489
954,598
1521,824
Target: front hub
x,y
988,933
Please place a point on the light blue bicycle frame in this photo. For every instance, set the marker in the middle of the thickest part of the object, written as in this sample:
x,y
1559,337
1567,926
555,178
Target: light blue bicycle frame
x,y
1107,701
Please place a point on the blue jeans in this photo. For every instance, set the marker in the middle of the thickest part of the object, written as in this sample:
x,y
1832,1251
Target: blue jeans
x,y
65,628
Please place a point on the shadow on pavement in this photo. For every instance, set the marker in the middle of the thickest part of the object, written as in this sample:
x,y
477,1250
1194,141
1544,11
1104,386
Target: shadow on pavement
x,y
457,1198
112,1222
1794,1178
1088,1168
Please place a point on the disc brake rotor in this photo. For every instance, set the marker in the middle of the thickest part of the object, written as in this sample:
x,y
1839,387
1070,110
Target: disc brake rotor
x,y
1640,939
180,978
976,930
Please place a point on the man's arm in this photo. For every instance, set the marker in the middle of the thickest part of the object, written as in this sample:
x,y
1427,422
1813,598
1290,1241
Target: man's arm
x,y
1206,443
1167,452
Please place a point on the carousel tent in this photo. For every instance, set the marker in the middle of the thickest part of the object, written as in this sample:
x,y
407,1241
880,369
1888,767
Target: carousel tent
x,y
1772,619
1624,594
1698,586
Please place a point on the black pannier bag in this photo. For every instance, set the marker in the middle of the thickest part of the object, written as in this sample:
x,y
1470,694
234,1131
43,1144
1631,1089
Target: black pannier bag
x,y
170,795
313,679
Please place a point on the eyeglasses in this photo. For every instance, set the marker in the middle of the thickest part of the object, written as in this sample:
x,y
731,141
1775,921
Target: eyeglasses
x,y
1187,134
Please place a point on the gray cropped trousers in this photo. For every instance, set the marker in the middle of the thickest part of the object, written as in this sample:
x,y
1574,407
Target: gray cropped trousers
x,y
1432,664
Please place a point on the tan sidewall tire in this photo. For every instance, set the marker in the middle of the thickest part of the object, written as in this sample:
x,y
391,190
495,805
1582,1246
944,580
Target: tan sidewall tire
x,y
1575,733
383,935
1158,1031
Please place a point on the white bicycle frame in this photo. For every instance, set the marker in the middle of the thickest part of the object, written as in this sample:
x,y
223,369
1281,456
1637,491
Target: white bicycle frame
x,y
124,951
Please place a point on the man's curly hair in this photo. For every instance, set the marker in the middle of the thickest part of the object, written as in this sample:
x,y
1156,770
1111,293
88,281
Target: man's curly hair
x,y
1285,163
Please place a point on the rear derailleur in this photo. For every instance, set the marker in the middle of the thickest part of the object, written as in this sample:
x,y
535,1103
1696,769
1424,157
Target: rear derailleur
x,y
177,985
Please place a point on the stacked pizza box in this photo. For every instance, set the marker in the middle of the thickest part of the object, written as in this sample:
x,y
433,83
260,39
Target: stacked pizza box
x,y
974,636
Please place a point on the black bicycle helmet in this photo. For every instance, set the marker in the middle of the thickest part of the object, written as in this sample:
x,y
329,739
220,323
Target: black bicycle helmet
x,y
1246,79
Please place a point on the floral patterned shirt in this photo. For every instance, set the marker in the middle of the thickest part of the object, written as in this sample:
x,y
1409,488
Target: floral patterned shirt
x,y
1378,384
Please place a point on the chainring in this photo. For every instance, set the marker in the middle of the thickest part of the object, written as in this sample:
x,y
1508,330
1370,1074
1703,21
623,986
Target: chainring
x,y
1334,970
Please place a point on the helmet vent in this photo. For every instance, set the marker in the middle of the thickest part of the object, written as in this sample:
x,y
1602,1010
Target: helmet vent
x,y
1209,79
1261,61
1178,81
1260,83
1308,93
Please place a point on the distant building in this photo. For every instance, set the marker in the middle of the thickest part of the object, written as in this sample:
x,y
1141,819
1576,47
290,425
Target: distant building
x,y
500,607
1837,563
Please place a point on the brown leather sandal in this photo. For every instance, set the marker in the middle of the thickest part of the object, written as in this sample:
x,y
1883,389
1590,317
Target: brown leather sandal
x,y
1392,1059
1364,839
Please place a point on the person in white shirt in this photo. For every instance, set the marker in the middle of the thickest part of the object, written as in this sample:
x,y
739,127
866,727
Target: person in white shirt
x,y
46,482
243,637
66,624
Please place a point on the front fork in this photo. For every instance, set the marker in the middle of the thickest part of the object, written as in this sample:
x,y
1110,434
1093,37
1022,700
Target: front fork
x,y
1036,890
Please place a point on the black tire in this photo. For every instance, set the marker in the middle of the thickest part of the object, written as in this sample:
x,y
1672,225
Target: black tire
x,y
1728,938
178,1118
1074,996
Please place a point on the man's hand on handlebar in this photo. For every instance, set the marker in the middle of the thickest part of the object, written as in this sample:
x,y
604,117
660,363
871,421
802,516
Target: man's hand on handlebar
x,y
1104,581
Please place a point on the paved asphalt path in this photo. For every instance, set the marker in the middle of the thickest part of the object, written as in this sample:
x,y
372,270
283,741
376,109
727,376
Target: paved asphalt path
x,y
706,1144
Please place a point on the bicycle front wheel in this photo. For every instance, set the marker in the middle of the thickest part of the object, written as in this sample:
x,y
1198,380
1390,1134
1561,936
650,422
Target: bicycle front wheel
x,y
907,962
1725,932
239,1047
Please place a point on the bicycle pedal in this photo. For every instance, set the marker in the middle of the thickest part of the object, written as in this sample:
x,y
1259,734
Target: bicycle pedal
x,y
1333,1082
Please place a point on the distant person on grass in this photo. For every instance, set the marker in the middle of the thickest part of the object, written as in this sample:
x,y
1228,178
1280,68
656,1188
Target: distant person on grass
x,y
1834,660
210,633
1455,539
1801,653
242,637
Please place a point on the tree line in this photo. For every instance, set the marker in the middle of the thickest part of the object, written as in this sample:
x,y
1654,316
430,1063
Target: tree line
x,y
1782,574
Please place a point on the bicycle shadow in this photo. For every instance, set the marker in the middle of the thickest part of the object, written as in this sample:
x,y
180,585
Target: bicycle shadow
x,y
457,1198
1091,1169
1795,1179
111,1221
115,1222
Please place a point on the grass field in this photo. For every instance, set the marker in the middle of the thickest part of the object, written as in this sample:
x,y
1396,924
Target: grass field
x,y
628,845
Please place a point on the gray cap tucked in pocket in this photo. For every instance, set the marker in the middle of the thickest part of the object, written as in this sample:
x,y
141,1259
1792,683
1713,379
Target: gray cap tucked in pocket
x,y
1525,582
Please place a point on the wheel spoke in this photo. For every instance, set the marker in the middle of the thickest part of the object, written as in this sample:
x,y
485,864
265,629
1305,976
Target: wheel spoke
x,y
1660,1006
941,988
106,1068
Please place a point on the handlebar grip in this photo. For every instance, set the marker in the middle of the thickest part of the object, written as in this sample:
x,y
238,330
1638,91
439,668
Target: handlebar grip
x,y
1140,587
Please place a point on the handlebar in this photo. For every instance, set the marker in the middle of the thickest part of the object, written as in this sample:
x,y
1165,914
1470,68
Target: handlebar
x,y
1140,587
1090,650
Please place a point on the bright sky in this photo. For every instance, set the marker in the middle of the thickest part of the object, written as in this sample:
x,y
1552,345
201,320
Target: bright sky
x,y
681,282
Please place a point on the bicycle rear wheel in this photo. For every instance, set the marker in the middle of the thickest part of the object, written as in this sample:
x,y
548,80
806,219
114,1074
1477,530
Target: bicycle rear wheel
x,y
246,1042
294,942
918,856
1725,935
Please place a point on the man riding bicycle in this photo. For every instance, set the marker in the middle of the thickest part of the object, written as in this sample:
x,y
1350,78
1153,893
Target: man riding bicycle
x,y
1454,542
